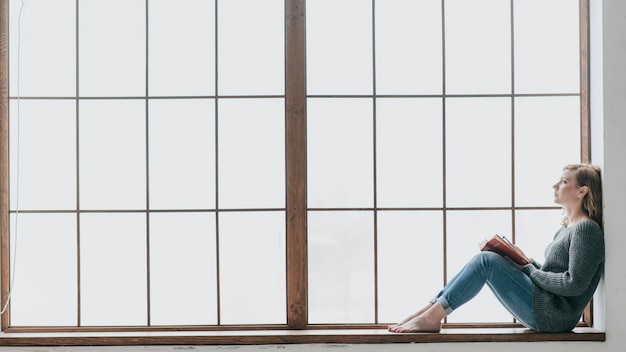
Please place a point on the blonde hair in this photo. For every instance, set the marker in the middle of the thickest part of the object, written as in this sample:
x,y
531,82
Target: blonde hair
x,y
590,176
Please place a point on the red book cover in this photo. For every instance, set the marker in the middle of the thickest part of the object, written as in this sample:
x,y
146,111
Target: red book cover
x,y
505,248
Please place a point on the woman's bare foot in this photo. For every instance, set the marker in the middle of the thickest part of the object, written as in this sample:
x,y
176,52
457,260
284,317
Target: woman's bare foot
x,y
416,314
429,321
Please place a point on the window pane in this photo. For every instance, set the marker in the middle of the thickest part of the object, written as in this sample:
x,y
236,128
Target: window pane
x,y
252,268
47,30
182,154
549,28
181,47
251,153
339,47
251,47
183,269
409,152
535,229
112,154
408,241
113,272
112,51
478,46
465,231
341,267
340,153
408,47
544,144
478,145
45,291
46,156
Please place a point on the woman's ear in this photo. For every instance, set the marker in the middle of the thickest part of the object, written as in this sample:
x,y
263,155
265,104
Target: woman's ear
x,y
583,190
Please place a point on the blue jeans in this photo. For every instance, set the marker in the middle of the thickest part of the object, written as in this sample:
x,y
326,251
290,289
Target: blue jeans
x,y
512,287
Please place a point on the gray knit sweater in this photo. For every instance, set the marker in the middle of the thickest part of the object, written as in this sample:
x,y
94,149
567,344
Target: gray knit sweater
x,y
565,283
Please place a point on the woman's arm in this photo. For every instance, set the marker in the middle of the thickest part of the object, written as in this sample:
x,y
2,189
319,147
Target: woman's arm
x,y
579,262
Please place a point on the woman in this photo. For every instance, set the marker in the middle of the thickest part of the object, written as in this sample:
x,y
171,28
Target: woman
x,y
546,298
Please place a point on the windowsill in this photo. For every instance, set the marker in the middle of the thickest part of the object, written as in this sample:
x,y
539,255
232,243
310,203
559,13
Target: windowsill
x,y
264,337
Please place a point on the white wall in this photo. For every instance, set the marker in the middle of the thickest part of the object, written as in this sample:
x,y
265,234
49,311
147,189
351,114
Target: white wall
x,y
608,150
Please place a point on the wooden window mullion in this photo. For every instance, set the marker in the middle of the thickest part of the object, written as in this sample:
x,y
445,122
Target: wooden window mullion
x,y
584,82
295,140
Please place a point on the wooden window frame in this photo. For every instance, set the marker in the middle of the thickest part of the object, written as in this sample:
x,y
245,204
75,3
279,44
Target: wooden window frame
x,y
297,329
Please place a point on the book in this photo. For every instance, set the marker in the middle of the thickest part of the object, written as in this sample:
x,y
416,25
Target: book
x,y
505,248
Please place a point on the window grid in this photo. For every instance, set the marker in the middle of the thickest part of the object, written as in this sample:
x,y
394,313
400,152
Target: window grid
x,y
147,98
376,210
295,97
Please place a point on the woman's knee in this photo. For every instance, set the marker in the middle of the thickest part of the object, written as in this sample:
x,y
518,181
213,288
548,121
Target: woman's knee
x,y
484,263
487,258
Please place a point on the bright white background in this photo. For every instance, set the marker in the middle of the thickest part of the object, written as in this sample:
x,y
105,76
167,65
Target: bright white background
x,y
609,127
609,144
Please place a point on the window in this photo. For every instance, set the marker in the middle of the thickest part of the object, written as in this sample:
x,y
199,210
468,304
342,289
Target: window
x,y
204,165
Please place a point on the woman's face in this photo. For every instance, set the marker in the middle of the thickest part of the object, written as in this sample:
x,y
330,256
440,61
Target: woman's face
x,y
566,191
